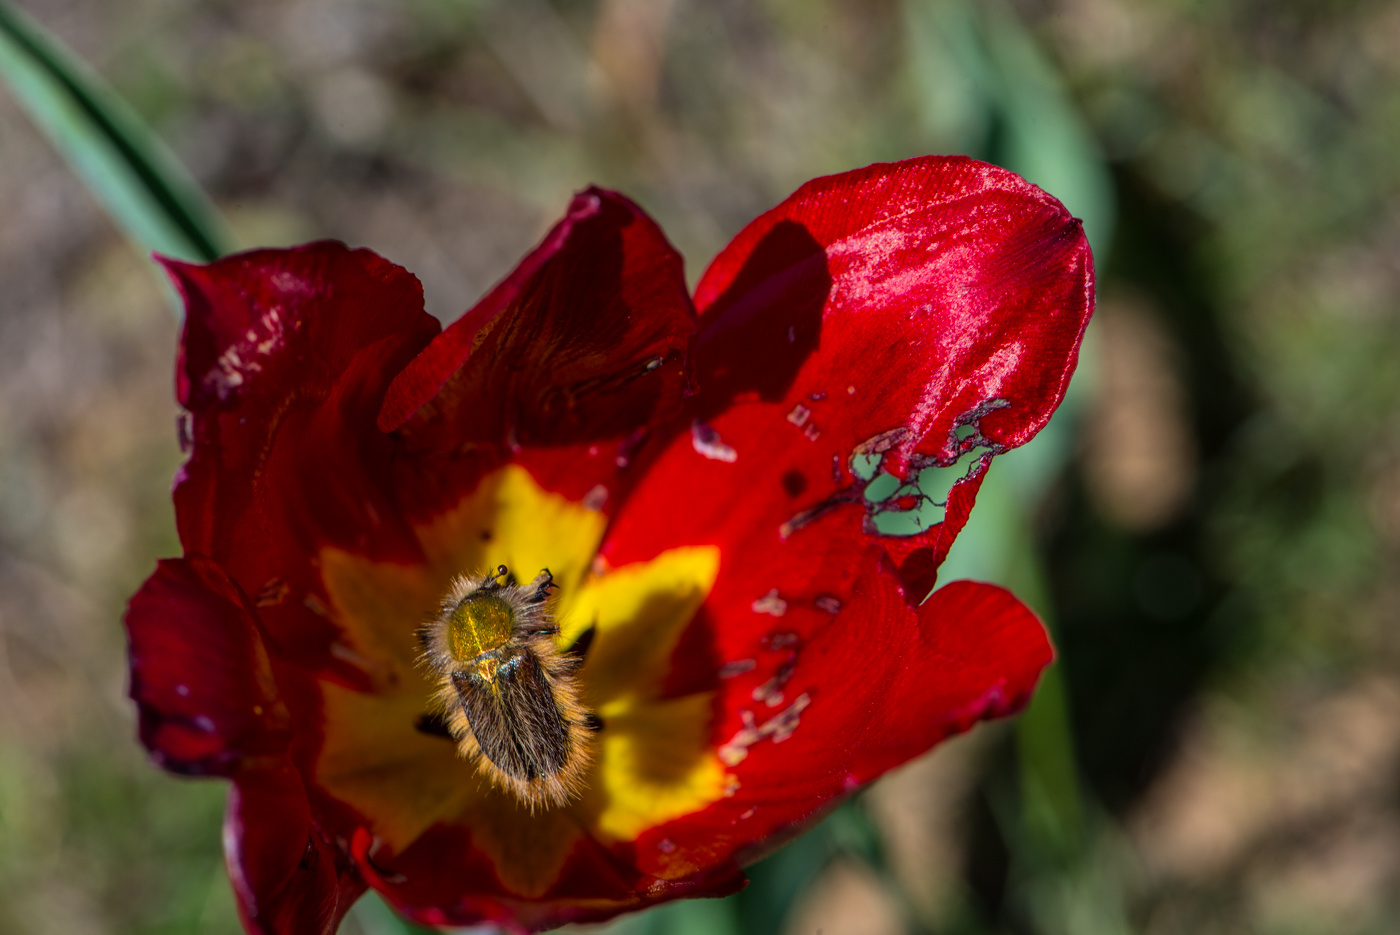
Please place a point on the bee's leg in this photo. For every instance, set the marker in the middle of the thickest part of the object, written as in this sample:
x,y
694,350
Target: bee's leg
x,y
593,722
579,649
539,588
433,724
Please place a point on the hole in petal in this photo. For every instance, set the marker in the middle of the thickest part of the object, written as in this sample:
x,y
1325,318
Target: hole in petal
x,y
907,506
914,508
866,466
881,488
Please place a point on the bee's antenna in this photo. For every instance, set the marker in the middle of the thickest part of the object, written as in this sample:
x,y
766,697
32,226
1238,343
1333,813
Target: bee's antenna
x,y
492,581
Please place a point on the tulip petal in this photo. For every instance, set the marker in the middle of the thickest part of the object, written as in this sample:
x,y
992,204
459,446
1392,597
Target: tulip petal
x,y
285,358
584,346
594,886
200,674
887,321
906,295
287,878
876,686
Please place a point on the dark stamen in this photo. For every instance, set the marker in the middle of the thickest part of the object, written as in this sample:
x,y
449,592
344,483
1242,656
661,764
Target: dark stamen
x,y
579,650
433,724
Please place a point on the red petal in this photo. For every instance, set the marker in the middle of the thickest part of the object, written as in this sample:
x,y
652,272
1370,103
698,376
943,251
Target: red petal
x,y
285,359
444,880
584,345
200,675
288,880
933,286
872,312
874,687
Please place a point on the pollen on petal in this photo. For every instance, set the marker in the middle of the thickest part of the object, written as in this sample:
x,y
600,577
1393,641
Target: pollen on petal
x,y
771,604
707,443
779,728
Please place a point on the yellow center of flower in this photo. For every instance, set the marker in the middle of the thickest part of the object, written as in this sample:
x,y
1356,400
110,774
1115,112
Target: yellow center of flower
x,y
654,759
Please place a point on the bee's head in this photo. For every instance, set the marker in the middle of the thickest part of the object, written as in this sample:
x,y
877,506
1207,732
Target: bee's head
x,y
481,615
482,621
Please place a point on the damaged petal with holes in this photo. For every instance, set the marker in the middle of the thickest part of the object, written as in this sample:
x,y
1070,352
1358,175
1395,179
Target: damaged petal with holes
x,y
592,598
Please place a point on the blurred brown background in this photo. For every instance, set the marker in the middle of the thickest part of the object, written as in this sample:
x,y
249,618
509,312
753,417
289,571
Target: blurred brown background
x,y
1219,537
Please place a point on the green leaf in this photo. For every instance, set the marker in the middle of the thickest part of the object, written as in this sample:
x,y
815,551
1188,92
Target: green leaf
x,y
374,917
120,159
1043,137
983,85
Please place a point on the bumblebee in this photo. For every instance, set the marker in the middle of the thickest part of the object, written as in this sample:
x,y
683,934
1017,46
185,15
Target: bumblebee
x,y
507,694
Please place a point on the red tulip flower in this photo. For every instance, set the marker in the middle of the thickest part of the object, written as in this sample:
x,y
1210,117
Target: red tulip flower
x,y
580,605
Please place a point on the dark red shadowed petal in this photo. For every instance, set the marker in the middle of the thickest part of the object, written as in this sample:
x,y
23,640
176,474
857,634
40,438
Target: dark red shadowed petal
x,y
204,686
594,885
558,351
285,358
870,689
200,675
287,879
585,345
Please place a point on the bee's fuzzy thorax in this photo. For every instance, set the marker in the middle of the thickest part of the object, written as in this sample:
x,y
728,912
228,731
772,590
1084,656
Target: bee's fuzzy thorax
x,y
509,697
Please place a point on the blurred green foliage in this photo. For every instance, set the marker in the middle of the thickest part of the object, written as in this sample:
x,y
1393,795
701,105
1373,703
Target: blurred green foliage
x,y
142,185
